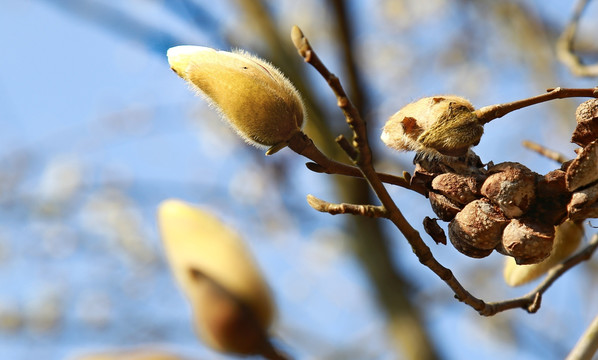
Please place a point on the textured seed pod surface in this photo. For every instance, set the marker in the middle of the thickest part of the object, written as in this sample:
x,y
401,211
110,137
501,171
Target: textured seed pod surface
x,y
566,241
584,169
552,198
527,240
479,225
458,188
443,207
255,97
512,187
587,123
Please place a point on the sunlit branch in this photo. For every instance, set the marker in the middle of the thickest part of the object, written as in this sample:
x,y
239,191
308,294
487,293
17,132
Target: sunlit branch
x,y
361,155
544,151
491,112
344,208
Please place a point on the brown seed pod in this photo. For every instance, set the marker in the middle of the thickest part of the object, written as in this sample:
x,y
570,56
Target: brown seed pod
x,y
443,207
587,123
552,197
512,187
435,125
527,240
467,249
582,200
479,225
458,188
584,169
566,241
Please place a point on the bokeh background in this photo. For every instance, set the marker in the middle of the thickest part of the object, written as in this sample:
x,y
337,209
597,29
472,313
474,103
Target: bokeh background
x,y
96,131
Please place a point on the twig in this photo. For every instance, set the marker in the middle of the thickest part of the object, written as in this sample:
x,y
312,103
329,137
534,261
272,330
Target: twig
x,y
530,302
587,345
491,112
564,45
544,151
421,250
303,145
344,208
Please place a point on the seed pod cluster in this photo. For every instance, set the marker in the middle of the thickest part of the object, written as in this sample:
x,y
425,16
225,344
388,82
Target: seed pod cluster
x,y
504,207
582,180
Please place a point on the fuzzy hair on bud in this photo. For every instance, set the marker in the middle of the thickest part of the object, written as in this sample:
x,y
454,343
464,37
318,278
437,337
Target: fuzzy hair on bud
x,y
439,125
256,99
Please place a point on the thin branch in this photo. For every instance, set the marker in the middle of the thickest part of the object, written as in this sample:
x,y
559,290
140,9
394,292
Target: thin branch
x,y
544,151
303,145
344,208
491,112
587,345
530,302
564,45
421,250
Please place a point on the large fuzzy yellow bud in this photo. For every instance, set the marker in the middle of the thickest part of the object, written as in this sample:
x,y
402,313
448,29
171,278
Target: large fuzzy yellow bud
x,y
231,302
258,101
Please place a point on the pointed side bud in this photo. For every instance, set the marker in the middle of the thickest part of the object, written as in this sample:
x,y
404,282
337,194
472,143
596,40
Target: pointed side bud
x,y
257,100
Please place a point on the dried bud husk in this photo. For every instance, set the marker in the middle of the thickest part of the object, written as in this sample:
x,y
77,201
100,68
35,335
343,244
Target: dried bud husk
x,y
479,225
587,123
219,277
457,188
434,230
581,202
512,187
527,240
258,101
443,207
584,169
566,241
440,125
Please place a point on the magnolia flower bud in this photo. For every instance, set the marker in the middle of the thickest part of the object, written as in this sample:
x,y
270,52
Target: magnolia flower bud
x,y
527,240
479,225
258,101
512,187
440,125
566,241
584,169
231,301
